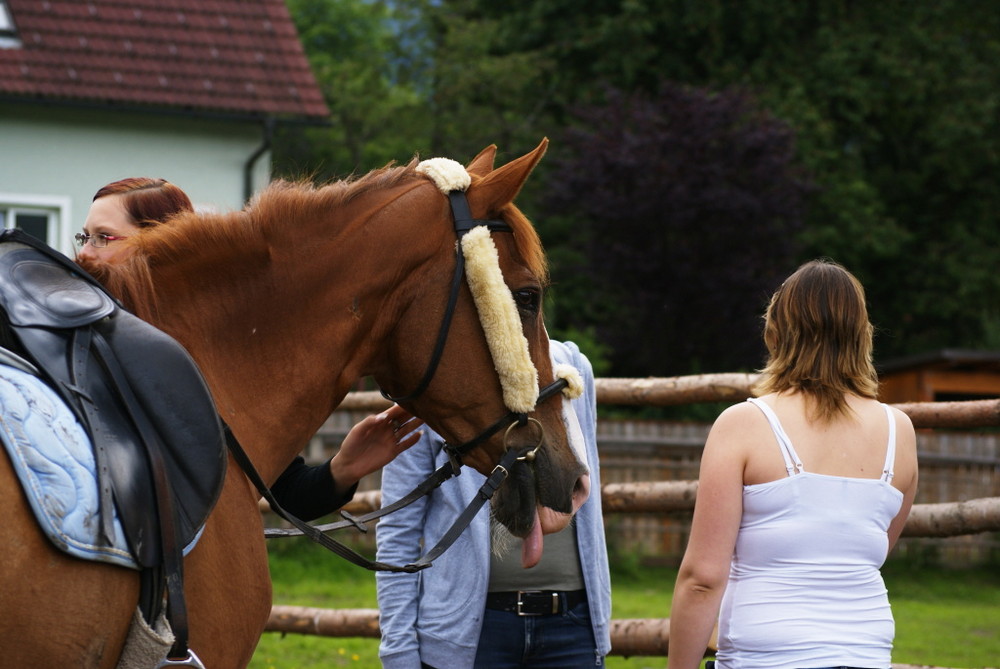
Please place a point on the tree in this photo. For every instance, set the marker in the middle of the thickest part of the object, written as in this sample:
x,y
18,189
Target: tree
x,y
893,105
683,209
371,83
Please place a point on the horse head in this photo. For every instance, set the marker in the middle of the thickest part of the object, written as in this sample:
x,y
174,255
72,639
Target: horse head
x,y
286,304
496,349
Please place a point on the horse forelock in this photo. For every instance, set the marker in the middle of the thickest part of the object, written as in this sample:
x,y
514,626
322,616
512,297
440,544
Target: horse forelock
x,y
528,243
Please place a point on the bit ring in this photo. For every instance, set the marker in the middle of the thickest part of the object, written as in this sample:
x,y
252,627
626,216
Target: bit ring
x,y
530,455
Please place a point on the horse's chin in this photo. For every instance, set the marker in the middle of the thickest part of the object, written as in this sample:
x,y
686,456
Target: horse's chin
x,y
532,522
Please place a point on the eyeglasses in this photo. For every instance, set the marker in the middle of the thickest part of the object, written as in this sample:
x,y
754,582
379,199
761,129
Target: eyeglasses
x,y
98,241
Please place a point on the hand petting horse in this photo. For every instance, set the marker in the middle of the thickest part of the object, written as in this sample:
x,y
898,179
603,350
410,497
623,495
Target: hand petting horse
x,y
284,305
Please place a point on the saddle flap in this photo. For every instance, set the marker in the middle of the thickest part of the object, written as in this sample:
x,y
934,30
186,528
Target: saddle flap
x,y
37,293
176,401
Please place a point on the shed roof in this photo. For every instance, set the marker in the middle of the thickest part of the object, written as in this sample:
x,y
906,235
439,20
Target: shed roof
x,y
232,56
954,358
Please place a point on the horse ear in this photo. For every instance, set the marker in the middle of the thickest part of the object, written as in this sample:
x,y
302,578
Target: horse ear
x,y
501,186
482,164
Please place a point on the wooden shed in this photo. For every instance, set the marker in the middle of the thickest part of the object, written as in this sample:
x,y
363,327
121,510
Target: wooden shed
x,y
941,376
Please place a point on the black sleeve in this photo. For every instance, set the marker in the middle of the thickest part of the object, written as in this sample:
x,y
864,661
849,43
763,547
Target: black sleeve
x,y
308,492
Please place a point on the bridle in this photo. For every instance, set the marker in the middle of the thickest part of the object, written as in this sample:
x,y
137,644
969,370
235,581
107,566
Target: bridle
x,y
463,223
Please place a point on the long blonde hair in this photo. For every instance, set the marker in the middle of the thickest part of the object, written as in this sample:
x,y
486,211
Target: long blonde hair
x,y
819,339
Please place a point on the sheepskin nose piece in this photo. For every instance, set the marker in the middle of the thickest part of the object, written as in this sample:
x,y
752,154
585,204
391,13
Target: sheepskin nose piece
x,y
498,315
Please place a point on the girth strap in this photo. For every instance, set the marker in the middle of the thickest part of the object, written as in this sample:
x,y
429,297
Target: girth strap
x,y
172,551
79,357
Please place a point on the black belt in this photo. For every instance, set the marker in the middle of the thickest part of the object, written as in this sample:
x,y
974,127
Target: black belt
x,y
535,602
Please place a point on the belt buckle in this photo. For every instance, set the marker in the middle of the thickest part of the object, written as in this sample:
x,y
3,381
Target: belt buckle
x,y
520,602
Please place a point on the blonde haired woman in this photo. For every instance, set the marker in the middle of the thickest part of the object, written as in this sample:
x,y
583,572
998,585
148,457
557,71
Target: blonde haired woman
x,y
803,492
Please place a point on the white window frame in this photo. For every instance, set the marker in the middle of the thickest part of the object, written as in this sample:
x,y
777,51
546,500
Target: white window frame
x,y
8,29
57,208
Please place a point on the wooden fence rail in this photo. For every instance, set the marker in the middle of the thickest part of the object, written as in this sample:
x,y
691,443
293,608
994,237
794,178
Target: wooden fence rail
x,y
948,519
650,637
630,637
633,637
678,390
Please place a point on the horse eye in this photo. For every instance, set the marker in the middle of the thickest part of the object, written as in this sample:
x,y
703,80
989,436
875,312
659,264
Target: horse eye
x,y
527,300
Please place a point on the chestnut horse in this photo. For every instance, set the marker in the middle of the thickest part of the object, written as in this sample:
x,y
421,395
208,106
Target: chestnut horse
x,y
284,305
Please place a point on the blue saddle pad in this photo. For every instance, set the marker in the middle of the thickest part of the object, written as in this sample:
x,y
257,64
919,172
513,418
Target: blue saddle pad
x,y
52,457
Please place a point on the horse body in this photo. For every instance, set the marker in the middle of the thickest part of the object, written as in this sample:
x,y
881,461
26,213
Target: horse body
x,y
284,305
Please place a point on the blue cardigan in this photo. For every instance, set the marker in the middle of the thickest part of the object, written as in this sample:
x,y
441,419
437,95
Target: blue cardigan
x,y
435,616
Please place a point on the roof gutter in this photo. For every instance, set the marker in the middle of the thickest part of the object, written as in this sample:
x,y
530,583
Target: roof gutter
x,y
184,112
255,156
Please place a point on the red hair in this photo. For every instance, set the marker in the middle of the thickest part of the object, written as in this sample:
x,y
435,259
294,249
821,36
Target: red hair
x,y
148,201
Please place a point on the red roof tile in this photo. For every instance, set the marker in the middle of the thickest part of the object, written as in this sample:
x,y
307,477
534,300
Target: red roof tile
x,y
237,56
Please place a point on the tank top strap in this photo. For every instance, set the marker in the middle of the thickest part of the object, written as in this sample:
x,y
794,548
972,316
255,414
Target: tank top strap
x,y
890,451
792,463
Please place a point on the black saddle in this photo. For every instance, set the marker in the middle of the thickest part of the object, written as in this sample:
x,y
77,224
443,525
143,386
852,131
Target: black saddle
x,y
158,442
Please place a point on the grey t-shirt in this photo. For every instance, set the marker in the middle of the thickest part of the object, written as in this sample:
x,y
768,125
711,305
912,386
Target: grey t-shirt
x,y
559,568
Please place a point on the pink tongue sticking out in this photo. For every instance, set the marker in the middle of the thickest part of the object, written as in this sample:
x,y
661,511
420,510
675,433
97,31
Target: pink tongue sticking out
x,y
531,547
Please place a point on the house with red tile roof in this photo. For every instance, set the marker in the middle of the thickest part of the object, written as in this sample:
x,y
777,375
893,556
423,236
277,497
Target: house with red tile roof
x,y
92,91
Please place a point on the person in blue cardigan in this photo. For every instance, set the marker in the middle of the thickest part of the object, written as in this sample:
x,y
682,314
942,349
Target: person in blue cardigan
x,y
463,612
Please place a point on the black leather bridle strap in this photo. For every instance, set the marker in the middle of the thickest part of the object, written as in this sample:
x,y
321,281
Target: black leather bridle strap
x,y
486,491
463,222
448,470
243,460
509,418
440,475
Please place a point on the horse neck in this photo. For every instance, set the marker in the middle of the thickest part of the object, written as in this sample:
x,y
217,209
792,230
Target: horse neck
x,y
281,340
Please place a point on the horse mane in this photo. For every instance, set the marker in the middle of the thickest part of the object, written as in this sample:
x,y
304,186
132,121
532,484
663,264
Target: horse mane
x,y
239,242
528,243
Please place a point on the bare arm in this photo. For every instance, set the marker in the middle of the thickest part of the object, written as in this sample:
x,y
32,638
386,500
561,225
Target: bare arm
x,y
906,472
704,570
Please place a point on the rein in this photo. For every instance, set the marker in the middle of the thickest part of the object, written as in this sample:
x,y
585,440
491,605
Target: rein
x,y
463,223
450,469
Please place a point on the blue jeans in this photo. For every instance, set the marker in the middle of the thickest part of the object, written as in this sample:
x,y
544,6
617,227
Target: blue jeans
x,y
560,641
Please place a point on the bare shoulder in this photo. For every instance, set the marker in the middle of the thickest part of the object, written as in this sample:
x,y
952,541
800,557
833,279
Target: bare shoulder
x,y
737,424
738,415
906,452
744,416
902,419
906,438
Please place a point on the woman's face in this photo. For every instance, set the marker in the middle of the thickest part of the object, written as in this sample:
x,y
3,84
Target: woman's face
x,y
107,216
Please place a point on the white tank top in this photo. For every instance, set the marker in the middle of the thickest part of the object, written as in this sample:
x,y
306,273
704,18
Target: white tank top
x,y
805,588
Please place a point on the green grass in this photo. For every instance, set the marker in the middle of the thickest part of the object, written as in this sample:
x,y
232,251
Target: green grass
x,y
945,618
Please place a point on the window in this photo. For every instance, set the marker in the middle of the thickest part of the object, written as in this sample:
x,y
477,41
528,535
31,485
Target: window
x,y
6,23
45,217
36,222
8,30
